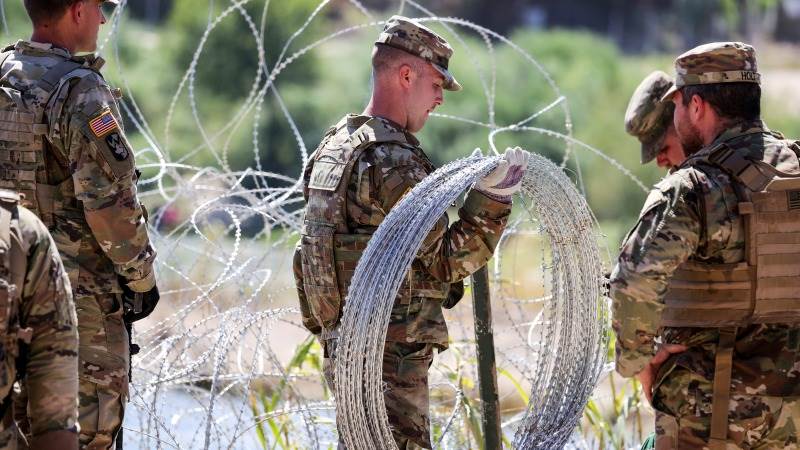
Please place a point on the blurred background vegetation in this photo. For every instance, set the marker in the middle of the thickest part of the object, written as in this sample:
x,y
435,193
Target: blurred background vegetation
x,y
596,50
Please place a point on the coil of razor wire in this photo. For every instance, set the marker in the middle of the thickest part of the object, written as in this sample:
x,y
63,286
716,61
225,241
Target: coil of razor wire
x,y
571,329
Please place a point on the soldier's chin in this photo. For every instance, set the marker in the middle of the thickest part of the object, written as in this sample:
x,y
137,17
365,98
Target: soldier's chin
x,y
414,126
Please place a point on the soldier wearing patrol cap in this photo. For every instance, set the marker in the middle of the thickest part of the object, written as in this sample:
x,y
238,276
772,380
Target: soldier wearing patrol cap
x,y
73,163
706,301
650,120
362,167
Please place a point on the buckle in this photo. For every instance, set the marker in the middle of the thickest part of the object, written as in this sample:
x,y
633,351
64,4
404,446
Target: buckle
x,y
742,169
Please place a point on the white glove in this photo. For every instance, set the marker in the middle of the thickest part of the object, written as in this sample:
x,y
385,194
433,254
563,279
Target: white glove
x,y
506,179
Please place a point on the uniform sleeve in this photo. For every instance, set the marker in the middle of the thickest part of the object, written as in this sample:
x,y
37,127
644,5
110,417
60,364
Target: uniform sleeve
x,y
668,232
450,253
52,364
105,181
305,310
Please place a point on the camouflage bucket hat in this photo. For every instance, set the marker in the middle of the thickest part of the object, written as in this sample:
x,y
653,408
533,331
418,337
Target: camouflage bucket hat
x,y
647,117
408,35
717,62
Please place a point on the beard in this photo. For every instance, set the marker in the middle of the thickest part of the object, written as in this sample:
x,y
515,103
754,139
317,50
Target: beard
x,y
690,138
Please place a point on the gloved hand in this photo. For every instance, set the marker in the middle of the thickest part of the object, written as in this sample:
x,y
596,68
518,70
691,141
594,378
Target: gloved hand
x,y
506,179
138,305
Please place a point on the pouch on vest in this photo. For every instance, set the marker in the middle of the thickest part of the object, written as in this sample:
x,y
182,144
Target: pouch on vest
x,y
21,146
23,138
319,276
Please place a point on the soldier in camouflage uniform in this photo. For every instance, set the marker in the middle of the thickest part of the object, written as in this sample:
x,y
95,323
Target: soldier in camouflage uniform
x,y
650,120
361,169
39,332
71,159
717,377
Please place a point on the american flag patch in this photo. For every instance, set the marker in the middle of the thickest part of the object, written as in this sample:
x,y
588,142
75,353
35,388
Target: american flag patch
x,y
103,124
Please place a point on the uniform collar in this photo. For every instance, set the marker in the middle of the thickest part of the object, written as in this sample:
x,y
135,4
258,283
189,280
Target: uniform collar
x,y
738,129
91,60
41,47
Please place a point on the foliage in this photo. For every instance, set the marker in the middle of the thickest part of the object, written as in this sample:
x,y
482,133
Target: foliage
x,y
619,423
320,87
266,404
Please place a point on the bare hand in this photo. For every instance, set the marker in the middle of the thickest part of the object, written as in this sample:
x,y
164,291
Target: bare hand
x,y
648,374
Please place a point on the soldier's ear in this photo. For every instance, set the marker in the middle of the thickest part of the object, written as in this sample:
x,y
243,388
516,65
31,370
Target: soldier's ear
x,y
76,11
697,107
405,74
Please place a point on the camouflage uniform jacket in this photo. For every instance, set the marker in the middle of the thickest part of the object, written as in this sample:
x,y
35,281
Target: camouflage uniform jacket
x,y
99,225
38,309
450,253
692,215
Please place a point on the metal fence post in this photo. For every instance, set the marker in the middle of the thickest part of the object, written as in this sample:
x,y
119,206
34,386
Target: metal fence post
x,y
487,373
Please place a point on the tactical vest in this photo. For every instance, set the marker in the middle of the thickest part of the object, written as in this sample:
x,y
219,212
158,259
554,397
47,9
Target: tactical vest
x,y
23,131
762,289
13,337
330,250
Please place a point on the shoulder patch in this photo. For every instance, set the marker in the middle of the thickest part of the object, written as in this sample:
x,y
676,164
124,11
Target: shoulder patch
x,y
117,146
115,150
103,124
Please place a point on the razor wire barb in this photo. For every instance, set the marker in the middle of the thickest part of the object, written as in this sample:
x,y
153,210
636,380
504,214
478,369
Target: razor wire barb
x,y
218,342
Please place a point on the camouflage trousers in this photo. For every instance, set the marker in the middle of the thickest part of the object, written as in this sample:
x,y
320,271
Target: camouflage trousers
x,y
104,356
10,436
405,374
683,416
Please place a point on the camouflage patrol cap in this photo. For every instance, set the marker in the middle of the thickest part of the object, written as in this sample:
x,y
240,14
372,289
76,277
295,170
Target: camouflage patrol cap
x,y
647,117
412,37
717,62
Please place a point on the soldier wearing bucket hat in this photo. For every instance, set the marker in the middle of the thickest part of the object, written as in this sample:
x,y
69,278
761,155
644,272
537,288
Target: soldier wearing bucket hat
x,y
362,168
704,293
650,120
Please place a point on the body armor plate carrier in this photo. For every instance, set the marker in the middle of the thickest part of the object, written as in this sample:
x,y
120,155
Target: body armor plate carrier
x,y
23,131
765,288
330,250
